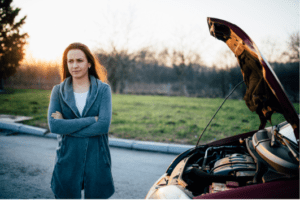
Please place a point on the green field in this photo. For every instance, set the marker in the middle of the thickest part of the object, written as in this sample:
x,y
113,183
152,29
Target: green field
x,y
151,118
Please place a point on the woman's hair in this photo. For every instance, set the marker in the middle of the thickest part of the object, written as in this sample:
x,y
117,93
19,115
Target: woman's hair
x,y
96,69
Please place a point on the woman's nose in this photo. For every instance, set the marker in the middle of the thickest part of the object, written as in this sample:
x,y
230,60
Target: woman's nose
x,y
75,65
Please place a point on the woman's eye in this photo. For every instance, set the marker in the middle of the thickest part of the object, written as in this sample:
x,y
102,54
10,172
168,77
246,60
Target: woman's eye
x,y
70,61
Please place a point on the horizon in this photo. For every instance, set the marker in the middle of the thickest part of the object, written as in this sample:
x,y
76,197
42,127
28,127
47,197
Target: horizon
x,y
133,25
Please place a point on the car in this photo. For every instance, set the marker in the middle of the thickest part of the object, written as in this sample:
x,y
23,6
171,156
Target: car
x,y
263,163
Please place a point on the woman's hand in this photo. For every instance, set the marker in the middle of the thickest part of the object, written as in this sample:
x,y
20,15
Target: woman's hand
x,y
96,117
57,115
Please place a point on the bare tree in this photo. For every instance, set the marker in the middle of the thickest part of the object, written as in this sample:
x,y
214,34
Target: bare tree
x,y
163,57
119,65
270,48
182,63
293,47
114,54
225,59
185,54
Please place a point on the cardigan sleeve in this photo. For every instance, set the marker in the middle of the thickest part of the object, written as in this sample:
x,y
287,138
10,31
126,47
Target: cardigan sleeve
x,y
64,126
104,120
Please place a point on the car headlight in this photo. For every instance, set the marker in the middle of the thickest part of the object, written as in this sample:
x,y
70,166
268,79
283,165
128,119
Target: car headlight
x,y
169,192
160,190
155,186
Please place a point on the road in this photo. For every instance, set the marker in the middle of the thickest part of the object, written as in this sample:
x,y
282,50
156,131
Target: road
x,y
26,164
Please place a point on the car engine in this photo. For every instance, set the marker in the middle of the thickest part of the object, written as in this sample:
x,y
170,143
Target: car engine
x,y
257,159
221,168
251,159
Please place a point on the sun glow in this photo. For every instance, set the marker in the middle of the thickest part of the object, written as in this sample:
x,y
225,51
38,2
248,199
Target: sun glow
x,y
39,49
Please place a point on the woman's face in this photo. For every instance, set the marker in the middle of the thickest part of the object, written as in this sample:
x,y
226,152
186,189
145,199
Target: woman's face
x,y
77,63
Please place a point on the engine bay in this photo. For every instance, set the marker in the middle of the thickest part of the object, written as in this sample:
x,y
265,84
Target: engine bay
x,y
264,157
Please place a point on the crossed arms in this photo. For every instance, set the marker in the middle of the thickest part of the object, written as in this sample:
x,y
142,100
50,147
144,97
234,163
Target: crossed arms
x,y
80,127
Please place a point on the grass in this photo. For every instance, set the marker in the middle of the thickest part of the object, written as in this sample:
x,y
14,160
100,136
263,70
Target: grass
x,y
152,118
27,102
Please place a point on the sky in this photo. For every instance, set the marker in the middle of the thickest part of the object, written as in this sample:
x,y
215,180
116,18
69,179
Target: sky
x,y
135,24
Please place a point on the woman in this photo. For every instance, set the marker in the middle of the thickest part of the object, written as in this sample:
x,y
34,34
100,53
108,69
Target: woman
x,y
80,113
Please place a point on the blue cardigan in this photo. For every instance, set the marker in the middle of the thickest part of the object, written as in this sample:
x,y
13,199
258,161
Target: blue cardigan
x,y
82,157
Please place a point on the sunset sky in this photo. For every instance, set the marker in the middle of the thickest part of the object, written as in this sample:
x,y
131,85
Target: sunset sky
x,y
134,24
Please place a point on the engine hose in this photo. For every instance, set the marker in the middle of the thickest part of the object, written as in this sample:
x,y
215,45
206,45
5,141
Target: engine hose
x,y
217,148
200,159
261,167
215,160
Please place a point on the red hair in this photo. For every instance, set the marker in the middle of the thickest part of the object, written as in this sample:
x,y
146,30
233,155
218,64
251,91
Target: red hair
x,y
96,69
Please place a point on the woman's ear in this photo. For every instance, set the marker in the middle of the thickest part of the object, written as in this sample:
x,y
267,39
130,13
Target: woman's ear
x,y
90,65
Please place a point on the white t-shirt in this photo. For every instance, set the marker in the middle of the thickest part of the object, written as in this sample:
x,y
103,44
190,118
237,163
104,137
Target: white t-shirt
x,y
80,99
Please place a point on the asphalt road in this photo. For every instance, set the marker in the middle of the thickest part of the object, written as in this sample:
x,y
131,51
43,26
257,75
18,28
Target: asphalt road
x,y
26,164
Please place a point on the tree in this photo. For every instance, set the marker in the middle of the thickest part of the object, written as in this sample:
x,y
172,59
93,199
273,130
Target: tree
x,y
293,46
114,53
119,65
180,70
288,75
183,63
270,48
11,41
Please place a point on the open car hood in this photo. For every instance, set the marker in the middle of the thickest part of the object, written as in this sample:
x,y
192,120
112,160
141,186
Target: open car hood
x,y
265,94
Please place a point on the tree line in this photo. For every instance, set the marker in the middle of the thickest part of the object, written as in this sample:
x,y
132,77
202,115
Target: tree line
x,y
189,78
149,68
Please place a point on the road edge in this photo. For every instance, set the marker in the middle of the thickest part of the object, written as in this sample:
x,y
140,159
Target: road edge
x,y
113,142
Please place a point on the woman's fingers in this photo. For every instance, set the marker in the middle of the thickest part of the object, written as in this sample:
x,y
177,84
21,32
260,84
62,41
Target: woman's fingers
x,y
57,115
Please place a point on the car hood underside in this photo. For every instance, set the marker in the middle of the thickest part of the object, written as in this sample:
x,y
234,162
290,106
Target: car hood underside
x,y
265,94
